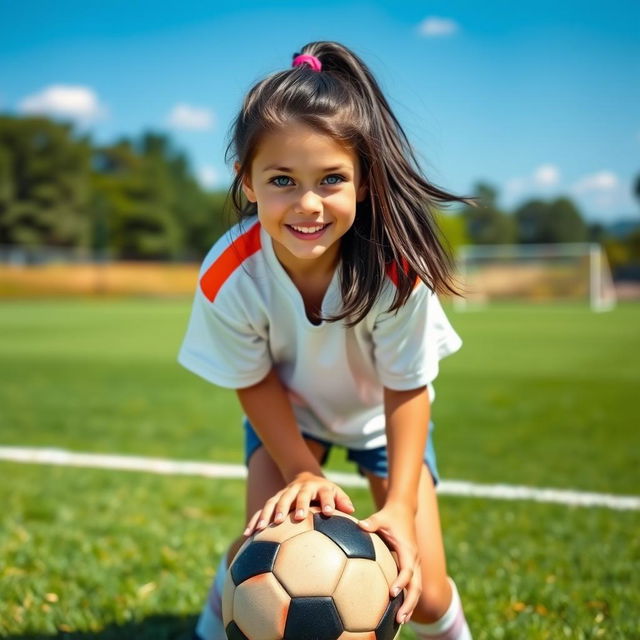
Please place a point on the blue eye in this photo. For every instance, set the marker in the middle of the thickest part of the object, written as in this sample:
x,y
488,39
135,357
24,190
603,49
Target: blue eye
x,y
280,184
280,178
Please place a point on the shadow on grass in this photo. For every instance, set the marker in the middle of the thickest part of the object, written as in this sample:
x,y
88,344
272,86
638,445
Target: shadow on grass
x,y
169,627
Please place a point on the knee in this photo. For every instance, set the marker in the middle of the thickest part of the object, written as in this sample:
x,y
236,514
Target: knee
x,y
433,603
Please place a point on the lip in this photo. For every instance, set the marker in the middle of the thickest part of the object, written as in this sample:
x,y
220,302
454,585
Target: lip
x,y
308,236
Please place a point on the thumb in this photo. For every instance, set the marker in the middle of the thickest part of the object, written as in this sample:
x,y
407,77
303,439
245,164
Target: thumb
x,y
368,524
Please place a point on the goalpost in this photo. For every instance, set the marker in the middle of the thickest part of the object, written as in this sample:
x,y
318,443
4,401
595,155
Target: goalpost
x,y
535,273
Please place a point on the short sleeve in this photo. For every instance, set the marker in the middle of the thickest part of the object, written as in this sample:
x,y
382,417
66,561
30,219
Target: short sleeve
x,y
409,344
221,346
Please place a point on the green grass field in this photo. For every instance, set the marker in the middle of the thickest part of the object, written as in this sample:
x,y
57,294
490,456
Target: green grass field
x,y
541,396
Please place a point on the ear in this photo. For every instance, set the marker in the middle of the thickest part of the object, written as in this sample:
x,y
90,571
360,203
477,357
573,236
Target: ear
x,y
246,185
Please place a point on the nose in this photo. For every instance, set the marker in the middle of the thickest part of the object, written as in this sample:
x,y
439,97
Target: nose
x,y
309,202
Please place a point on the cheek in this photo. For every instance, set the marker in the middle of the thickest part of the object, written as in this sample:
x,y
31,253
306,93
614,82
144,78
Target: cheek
x,y
343,202
273,200
266,205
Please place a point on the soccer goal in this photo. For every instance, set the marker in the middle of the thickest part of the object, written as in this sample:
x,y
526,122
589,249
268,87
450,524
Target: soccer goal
x,y
535,273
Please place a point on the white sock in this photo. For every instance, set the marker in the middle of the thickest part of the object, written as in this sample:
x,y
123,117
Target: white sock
x,y
451,626
210,626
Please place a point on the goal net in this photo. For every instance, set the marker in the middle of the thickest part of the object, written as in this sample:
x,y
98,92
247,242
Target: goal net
x,y
535,273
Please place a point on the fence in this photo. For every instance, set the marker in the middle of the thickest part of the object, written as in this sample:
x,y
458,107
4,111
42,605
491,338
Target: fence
x,y
52,271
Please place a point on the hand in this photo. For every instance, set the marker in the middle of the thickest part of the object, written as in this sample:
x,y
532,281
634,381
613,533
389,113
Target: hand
x,y
304,488
396,524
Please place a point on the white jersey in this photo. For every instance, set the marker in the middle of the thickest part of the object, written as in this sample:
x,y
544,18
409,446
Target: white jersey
x,y
248,316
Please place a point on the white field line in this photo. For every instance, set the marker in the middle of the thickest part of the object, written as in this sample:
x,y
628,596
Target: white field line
x,y
36,455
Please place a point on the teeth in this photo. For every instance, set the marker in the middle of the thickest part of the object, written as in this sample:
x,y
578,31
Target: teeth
x,y
308,229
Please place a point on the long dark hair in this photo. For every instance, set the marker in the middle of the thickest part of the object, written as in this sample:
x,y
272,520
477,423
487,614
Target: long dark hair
x,y
395,224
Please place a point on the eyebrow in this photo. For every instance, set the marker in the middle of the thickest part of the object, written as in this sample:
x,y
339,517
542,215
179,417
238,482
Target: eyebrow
x,y
341,167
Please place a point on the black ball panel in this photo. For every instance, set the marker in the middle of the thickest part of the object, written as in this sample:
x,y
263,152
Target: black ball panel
x,y
354,541
257,558
233,632
317,613
388,626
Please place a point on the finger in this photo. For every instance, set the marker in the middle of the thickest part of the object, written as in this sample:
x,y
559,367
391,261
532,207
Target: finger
x,y
406,564
302,504
408,559
283,507
402,581
267,512
369,524
414,590
327,501
287,501
252,523
343,502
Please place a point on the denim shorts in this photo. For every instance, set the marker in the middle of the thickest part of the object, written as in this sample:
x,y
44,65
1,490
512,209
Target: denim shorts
x,y
372,460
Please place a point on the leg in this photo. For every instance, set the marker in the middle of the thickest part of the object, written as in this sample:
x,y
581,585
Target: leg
x,y
438,613
264,480
436,592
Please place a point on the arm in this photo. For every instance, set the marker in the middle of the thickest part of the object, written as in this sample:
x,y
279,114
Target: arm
x,y
269,410
407,416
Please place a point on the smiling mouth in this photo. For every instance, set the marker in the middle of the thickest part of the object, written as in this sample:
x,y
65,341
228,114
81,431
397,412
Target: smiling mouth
x,y
306,233
308,229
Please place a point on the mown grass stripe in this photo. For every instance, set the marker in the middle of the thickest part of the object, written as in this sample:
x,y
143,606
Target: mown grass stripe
x,y
164,466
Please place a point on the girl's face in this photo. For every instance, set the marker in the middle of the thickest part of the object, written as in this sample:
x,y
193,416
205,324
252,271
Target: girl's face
x,y
306,186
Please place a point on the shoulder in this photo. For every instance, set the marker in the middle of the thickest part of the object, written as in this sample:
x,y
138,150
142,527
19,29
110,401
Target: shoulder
x,y
390,286
224,261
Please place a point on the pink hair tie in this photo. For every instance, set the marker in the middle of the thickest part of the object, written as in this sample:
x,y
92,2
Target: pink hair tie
x,y
312,61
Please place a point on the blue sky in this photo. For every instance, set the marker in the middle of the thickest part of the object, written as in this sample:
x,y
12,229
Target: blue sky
x,y
537,99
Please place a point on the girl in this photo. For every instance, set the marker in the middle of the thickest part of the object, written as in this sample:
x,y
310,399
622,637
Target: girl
x,y
320,309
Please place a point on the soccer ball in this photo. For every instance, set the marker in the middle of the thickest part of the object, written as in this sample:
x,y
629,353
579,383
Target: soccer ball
x,y
321,578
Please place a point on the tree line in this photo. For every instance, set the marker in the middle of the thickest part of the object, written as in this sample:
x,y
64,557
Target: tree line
x,y
138,199
134,198
537,221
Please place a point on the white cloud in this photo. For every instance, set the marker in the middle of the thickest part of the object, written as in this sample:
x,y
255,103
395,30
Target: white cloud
x,y
546,175
603,191
434,27
184,116
69,101
543,177
600,196
602,182
208,176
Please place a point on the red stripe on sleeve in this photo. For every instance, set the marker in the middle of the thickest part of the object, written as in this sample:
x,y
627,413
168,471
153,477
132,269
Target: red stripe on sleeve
x,y
229,260
392,272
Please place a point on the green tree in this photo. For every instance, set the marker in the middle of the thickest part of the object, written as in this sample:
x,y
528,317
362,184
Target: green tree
x,y
487,223
530,218
633,244
154,207
135,198
219,216
565,223
538,221
453,229
44,191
